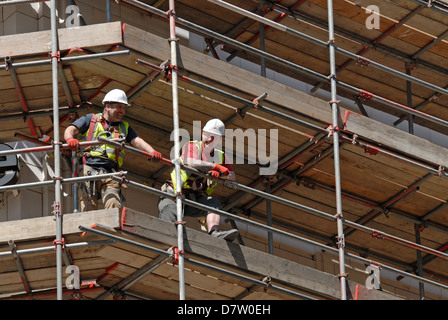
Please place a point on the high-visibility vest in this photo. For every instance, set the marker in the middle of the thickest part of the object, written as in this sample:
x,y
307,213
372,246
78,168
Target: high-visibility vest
x,y
99,127
188,179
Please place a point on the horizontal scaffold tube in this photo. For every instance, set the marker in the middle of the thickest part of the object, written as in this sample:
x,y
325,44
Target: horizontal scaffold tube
x,y
235,185
280,232
51,147
76,245
47,183
100,55
193,261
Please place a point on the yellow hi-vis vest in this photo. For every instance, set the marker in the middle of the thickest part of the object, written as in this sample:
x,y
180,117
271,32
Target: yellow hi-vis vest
x,y
188,179
98,127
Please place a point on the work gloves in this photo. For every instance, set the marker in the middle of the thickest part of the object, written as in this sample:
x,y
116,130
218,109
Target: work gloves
x,y
73,144
219,170
156,156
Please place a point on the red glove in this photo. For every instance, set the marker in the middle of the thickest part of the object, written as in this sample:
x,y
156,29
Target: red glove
x,y
219,170
73,144
215,174
156,156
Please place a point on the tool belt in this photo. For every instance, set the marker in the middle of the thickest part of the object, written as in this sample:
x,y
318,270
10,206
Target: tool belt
x,y
90,186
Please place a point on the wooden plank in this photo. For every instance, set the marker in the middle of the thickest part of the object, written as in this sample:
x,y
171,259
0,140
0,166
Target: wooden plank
x,y
397,139
44,227
40,41
221,251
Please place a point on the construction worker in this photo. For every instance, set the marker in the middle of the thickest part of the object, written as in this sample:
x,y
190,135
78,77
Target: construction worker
x,y
203,156
103,159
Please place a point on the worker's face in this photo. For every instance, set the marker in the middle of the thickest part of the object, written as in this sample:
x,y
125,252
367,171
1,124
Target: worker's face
x,y
210,141
115,111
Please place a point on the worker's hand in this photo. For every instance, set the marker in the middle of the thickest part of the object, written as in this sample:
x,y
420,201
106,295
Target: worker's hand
x,y
73,144
156,156
214,174
219,170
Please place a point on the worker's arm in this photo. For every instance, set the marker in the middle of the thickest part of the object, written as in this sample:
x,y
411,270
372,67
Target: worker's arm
x,y
70,132
206,166
191,160
69,136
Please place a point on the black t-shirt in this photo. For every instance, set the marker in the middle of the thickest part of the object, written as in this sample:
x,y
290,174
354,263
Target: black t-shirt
x,y
83,125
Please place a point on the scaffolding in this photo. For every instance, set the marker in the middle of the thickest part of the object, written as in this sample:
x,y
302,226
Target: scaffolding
x,y
338,137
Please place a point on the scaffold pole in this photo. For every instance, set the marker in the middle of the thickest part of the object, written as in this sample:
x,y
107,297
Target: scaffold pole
x,y
173,45
57,206
337,172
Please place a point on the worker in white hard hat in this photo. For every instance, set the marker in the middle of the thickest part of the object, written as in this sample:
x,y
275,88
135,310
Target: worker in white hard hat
x,y
104,158
203,156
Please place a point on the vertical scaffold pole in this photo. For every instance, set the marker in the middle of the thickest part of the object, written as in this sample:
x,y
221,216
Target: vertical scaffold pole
x,y
335,131
57,160
178,191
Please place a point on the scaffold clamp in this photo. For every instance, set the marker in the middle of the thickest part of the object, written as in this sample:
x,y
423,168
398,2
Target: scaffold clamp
x,y
377,235
267,280
268,180
176,253
371,150
56,55
331,130
420,227
170,12
365,95
168,70
340,241
363,61
57,242
334,101
57,208
441,168
257,100
7,63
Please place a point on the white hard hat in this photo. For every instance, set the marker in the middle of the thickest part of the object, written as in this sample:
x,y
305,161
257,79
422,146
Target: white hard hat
x,y
116,96
214,126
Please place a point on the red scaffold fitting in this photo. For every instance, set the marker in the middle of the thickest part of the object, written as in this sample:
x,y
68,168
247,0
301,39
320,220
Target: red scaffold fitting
x,y
378,235
365,95
59,242
332,129
363,61
169,71
334,101
169,13
371,150
176,254
56,55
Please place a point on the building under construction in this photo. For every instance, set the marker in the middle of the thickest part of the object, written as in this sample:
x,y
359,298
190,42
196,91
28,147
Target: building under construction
x,y
344,99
